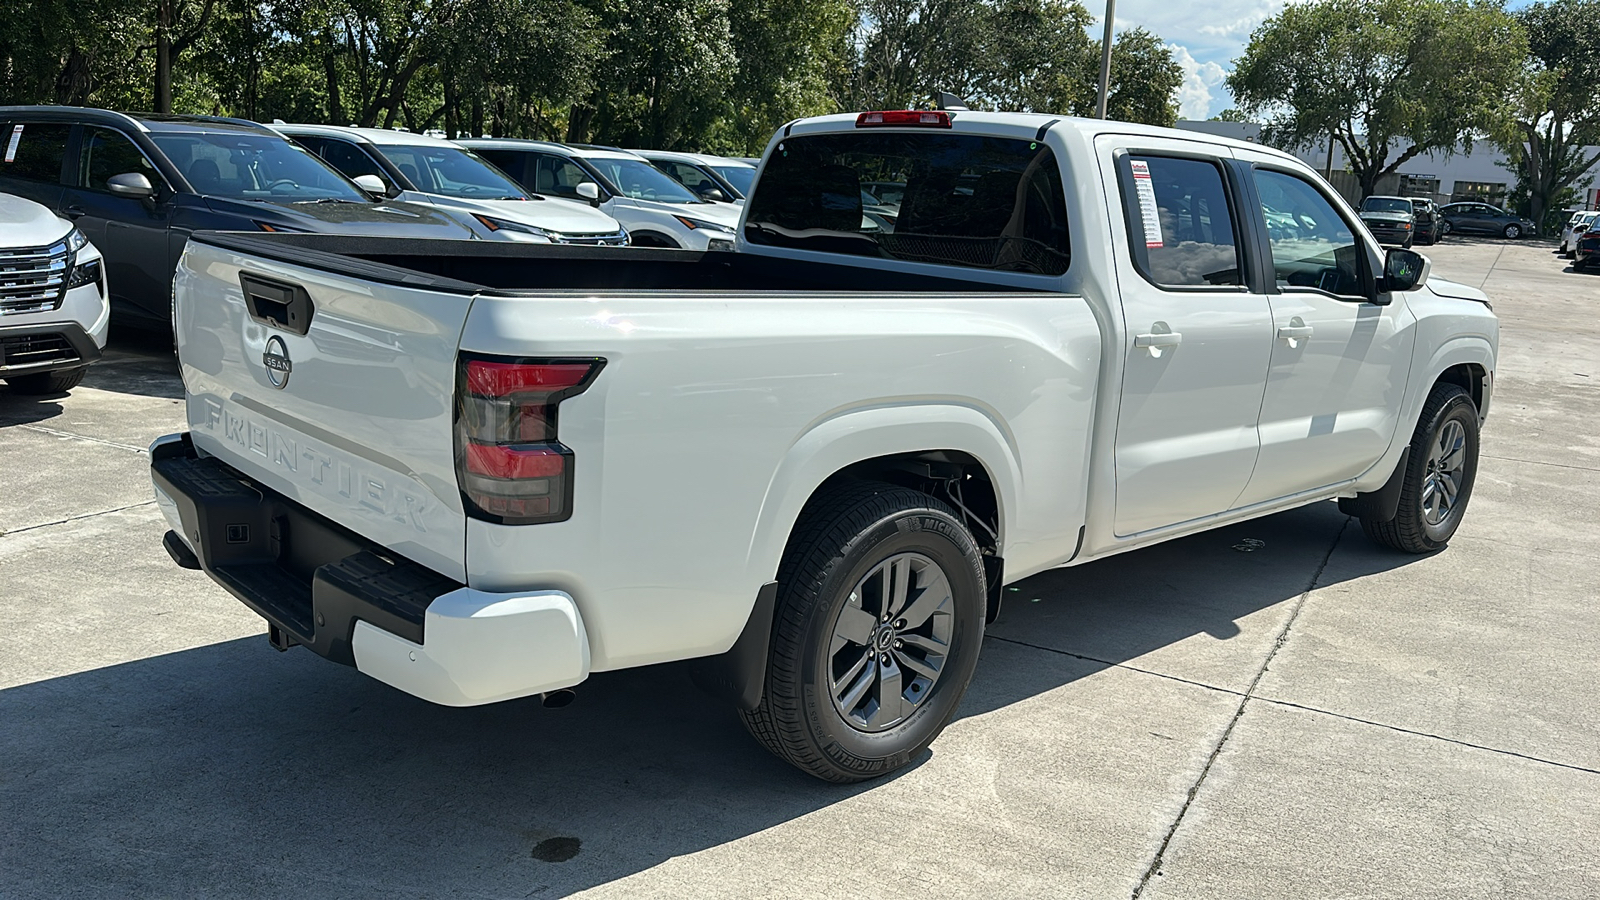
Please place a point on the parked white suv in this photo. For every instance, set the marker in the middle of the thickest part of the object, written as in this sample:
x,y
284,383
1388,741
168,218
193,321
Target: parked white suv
x,y
422,169
655,208
711,177
53,310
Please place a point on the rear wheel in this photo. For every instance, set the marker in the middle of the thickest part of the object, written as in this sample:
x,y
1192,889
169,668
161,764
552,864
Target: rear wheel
x,y
58,382
1440,470
876,633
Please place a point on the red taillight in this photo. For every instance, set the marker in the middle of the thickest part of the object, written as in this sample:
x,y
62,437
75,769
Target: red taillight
x,y
901,118
510,465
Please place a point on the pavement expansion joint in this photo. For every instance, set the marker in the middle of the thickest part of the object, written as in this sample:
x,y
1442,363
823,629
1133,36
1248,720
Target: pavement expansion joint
x,y
1538,462
103,512
1428,734
80,437
1238,713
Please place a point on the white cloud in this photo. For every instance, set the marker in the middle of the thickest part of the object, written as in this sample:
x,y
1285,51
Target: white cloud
x,y
1195,97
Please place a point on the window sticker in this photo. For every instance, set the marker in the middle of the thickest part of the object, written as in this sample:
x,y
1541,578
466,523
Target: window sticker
x,y
1146,190
11,146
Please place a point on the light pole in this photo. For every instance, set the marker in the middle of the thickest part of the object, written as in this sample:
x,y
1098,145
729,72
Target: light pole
x,y
1105,60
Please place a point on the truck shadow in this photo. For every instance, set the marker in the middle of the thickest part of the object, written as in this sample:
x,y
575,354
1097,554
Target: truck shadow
x,y
231,769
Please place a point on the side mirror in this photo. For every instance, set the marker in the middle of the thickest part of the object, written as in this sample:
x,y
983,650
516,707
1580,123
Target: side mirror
x,y
1404,270
589,191
131,184
372,184
714,194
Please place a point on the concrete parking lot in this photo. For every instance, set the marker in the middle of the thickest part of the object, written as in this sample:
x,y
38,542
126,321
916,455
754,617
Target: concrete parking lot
x,y
1313,717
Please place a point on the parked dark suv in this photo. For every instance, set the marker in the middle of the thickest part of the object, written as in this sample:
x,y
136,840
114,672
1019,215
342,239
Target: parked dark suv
x,y
138,185
1481,218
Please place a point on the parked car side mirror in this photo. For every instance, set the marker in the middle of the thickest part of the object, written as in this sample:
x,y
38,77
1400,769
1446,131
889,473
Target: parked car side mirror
x,y
1404,270
372,184
131,184
715,194
589,191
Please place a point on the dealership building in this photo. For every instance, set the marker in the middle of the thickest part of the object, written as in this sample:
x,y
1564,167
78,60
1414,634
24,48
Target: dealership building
x,y
1479,174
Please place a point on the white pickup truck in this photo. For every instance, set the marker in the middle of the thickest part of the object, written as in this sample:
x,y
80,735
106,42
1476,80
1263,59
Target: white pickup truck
x,y
482,471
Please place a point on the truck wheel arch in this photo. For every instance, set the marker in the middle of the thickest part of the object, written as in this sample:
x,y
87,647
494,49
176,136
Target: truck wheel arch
x,y
875,442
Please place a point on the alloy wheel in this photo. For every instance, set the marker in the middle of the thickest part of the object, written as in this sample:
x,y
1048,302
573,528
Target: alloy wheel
x,y
890,642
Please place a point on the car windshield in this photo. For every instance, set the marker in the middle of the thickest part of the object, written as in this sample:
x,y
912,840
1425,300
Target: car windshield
x,y
245,166
1386,204
741,177
638,179
452,171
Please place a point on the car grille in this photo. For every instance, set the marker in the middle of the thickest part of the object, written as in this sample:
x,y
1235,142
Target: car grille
x,y
614,239
27,350
31,280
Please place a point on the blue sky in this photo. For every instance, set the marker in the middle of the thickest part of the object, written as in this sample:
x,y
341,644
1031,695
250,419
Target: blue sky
x,y
1205,38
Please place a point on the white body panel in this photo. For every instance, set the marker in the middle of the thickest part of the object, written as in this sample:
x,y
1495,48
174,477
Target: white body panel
x,y
361,432
718,414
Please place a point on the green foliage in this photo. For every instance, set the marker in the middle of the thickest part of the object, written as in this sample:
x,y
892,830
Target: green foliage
x,y
717,75
1377,74
1551,110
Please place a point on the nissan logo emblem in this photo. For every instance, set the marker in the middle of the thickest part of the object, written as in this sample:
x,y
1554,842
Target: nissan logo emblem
x,y
276,359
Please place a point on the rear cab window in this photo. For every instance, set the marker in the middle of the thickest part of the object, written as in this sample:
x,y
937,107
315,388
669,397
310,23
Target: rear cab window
x,y
950,199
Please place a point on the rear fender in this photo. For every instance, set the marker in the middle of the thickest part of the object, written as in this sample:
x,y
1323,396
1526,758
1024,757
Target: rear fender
x,y
855,436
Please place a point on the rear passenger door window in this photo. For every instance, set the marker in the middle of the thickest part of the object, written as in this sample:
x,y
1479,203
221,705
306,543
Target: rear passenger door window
x,y
1313,247
34,151
1183,232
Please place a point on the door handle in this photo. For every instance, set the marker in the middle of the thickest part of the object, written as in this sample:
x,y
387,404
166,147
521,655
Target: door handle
x,y
1157,339
74,212
1295,332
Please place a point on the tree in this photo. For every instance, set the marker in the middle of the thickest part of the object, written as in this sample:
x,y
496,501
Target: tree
x,y
1379,74
1144,80
1553,106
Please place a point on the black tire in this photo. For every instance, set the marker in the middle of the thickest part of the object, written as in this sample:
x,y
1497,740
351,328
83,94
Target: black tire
x,y
1511,232
1410,529
58,382
1407,244
846,532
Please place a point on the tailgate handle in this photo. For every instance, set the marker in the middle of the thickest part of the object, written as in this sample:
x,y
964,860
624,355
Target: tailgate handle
x,y
278,304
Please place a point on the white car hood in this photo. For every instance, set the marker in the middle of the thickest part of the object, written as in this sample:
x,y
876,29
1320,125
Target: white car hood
x,y
24,223
720,213
554,215
1454,289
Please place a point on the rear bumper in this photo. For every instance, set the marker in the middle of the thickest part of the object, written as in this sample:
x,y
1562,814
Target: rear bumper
x,y
355,602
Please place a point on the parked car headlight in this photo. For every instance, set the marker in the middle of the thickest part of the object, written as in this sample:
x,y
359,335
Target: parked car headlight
x,y
493,224
697,224
77,240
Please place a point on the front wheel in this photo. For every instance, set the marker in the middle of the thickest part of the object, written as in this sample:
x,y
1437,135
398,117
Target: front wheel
x,y
1512,231
1444,229
58,382
1440,470
876,633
